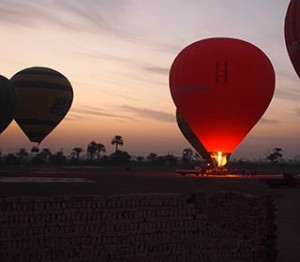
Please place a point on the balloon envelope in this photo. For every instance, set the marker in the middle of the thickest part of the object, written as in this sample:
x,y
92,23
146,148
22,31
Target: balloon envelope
x,y
222,87
45,97
8,98
292,33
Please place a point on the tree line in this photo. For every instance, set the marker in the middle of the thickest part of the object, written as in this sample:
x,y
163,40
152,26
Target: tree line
x,y
96,154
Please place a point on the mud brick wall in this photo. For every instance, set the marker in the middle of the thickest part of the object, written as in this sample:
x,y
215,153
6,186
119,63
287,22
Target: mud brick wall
x,y
141,227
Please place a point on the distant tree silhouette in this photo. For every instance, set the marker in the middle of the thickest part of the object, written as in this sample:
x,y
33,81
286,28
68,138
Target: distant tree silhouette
x,y
100,149
22,154
10,159
187,154
187,158
160,160
117,140
151,157
105,160
58,158
92,149
45,153
76,151
170,159
38,159
120,157
140,158
35,149
275,156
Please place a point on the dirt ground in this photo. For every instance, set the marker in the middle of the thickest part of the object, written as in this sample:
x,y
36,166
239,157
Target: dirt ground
x,y
87,181
288,222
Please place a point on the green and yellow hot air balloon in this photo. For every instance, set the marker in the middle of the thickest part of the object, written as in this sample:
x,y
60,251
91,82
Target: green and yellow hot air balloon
x,y
45,97
8,98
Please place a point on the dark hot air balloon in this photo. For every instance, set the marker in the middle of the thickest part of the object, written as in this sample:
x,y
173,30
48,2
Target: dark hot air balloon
x,y
221,87
45,97
191,137
292,33
8,98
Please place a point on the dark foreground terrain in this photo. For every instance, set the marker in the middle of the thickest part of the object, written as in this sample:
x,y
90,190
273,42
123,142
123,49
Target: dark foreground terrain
x,y
100,181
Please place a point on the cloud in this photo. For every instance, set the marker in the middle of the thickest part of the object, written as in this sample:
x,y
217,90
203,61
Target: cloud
x,y
126,112
156,70
95,111
122,96
166,47
268,121
106,56
149,113
12,13
290,94
288,87
28,13
72,14
71,117
105,17
152,69
125,60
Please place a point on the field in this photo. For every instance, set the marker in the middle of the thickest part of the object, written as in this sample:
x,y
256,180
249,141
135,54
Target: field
x,y
32,181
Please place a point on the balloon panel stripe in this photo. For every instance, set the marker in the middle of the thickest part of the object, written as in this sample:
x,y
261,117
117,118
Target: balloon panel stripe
x,y
39,72
42,85
36,122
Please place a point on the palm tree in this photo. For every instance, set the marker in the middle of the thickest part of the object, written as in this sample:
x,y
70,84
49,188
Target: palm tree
x,y
117,140
92,149
100,148
76,151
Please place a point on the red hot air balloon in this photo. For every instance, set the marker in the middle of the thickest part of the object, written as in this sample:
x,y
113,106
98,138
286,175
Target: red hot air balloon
x,y
292,33
222,87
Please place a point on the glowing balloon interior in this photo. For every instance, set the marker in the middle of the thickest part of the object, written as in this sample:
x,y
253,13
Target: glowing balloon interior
x,y
219,159
45,97
222,87
8,99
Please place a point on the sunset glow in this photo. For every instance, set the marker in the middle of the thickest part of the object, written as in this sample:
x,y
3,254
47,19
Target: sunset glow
x,y
117,56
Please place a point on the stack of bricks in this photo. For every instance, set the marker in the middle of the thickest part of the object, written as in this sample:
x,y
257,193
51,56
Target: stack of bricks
x,y
248,218
139,227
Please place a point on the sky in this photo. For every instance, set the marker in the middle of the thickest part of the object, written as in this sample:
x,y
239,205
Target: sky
x,y
117,55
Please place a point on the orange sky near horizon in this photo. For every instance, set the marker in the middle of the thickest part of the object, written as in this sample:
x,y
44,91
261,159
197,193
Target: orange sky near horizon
x,y
117,56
